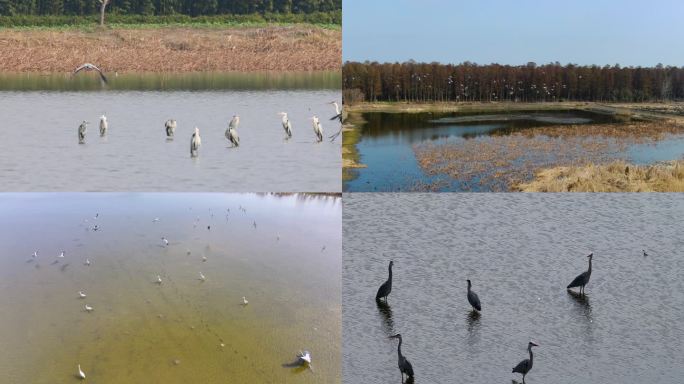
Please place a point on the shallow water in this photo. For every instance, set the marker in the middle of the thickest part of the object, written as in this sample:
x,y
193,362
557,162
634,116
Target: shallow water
x,y
387,141
520,251
42,152
141,331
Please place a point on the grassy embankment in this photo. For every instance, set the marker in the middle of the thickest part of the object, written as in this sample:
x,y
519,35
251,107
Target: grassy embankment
x,y
174,43
659,119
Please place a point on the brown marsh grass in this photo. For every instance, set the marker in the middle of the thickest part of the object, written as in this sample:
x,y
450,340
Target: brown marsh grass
x,y
177,49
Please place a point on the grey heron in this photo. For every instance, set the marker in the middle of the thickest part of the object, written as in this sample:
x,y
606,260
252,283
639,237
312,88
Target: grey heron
x,y
82,129
404,366
318,130
525,366
386,287
338,116
473,299
583,278
195,143
644,251
103,125
90,67
170,127
231,132
287,126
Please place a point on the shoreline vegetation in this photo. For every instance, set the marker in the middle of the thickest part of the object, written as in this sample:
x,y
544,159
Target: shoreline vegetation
x,y
643,121
295,47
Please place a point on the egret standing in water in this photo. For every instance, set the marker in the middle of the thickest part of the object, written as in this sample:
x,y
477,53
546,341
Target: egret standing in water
x,y
81,295
525,366
82,132
159,280
404,366
386,287
195,143
170,127
231,132
244,301
473,299
81,374
201,276
103,125
583,278
286,124
318,130
88,308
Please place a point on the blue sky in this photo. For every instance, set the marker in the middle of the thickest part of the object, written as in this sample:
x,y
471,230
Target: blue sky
x,y
601,32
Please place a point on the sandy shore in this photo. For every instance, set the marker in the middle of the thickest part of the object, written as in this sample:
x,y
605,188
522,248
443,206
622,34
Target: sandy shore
x,y
173,49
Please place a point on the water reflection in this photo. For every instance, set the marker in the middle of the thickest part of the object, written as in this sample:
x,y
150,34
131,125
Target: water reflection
x,y
386,313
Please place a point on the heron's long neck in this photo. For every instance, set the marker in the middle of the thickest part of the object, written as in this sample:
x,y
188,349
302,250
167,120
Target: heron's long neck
x,y
390,280
399,348
589,270
531,356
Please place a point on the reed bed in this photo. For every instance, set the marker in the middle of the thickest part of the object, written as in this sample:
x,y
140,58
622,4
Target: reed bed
x,y
244,49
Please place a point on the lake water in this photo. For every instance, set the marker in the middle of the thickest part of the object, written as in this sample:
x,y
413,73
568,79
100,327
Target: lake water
x,y
42,152
387,141
140,331
520,251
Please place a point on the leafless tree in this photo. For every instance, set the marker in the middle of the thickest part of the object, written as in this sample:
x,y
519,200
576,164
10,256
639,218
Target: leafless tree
x,y
103,5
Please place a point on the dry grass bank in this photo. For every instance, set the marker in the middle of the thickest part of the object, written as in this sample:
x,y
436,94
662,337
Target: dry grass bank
x,y
176,49
617,176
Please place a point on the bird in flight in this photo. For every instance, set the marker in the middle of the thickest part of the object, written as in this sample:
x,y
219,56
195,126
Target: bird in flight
x,y
90,67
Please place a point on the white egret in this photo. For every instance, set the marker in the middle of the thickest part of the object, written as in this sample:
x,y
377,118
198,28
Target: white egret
x,y
103,125
286,124
231,132
244,301
318,130
61,255
81,294
202,276
81,374
82,131
87,262
159,280
170,126
90,67
195,143
304,357
88,308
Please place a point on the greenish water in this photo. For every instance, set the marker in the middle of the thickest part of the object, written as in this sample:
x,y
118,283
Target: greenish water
x,y
171,81
140,331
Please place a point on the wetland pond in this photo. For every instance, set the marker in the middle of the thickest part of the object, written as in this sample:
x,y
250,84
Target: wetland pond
x,y
520,251
266,247
40,115
493,152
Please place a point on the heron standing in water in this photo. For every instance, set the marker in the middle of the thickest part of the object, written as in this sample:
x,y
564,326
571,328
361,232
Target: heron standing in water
x,y
525,366
386,287
170,127
404,366
583,278
286,124
103,125
82,132
473,299
195,143
318,130
231,132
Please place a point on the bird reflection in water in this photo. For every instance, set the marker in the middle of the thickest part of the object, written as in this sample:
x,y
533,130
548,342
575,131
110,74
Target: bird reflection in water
x,y
386,312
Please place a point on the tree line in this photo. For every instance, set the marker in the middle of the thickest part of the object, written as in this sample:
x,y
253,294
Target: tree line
x,y
429,82
167,7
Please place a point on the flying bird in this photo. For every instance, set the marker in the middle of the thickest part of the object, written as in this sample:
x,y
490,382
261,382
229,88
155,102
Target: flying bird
x,y
338,116
90,67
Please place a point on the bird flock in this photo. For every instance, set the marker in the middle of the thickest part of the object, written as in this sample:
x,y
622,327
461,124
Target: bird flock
x,y
303,358
523,367
231,132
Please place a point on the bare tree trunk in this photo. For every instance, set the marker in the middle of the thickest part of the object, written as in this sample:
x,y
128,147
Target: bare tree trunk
x,y
103,5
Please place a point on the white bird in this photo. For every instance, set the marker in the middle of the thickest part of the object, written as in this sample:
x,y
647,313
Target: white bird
x,y
204,258
81,294
286,124
231,132
82,129
304,357
318,130
156,219
159,280
35,254
195,143
103,125
202,276
87,262
88,308
166,242
61,255
170,126
244,301
90,67
81,374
